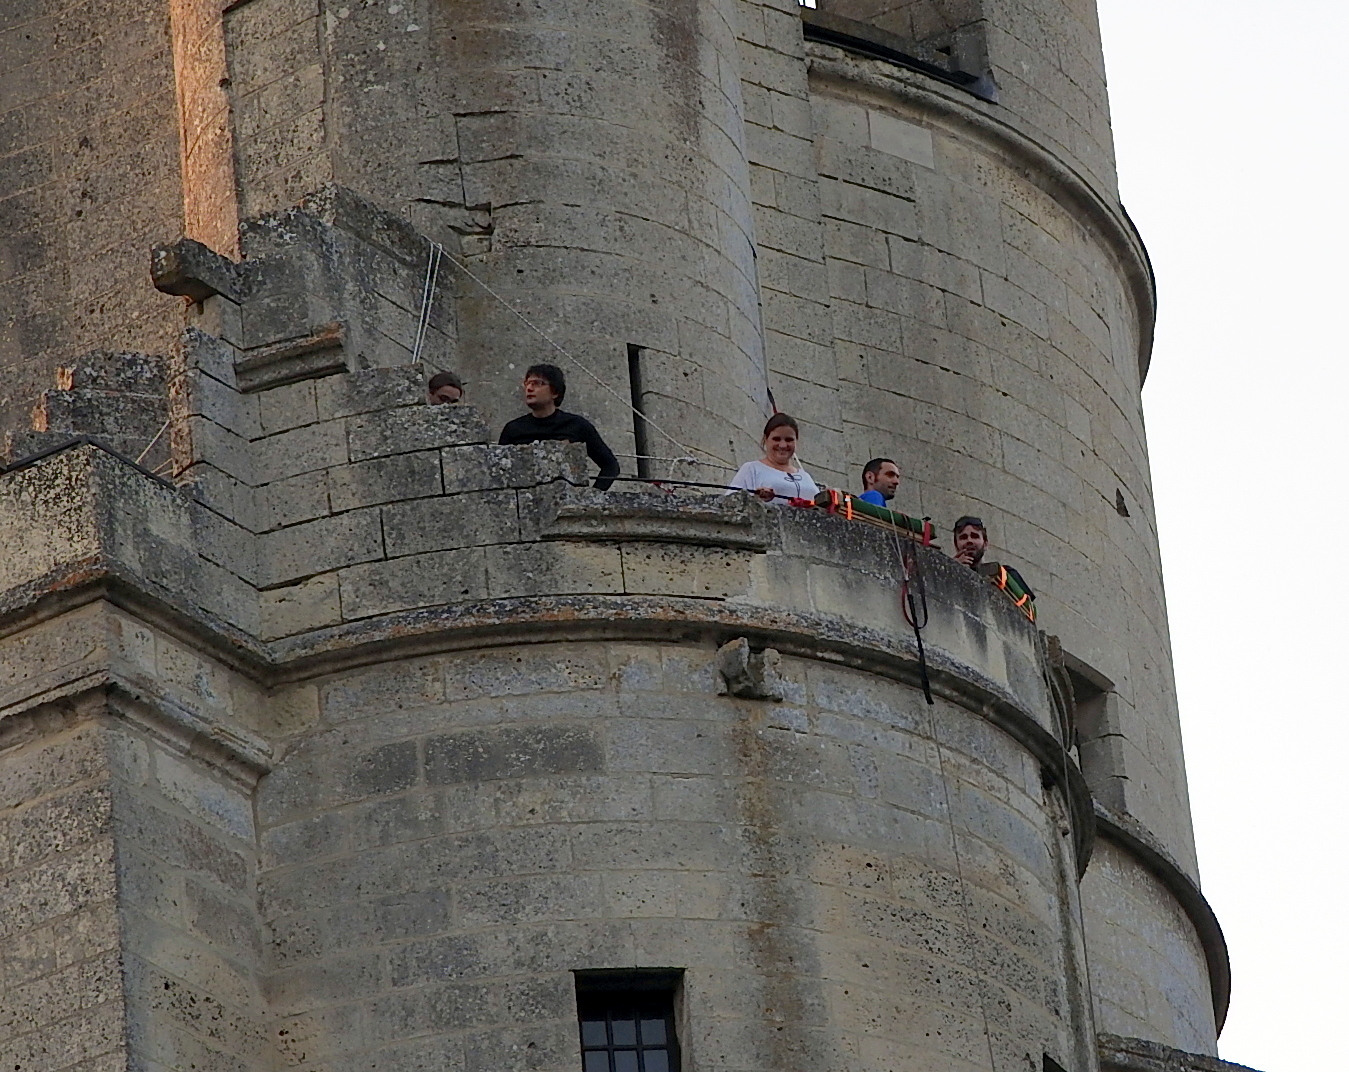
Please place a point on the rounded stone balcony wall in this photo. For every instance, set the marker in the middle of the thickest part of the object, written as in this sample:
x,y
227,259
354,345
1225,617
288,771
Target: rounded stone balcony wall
x,y
461,832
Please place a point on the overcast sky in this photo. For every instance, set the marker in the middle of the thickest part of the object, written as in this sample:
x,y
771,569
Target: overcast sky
x,y
1230,128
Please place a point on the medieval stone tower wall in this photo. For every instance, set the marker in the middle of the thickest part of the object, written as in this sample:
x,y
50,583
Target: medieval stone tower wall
x,y
335,737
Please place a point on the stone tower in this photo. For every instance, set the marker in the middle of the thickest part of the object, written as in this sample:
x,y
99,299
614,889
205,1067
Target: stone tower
x,y
333,737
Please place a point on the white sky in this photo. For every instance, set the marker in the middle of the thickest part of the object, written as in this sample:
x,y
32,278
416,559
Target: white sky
x,y
1230,127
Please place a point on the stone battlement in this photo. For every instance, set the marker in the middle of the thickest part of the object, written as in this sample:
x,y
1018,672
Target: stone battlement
x,y
470,543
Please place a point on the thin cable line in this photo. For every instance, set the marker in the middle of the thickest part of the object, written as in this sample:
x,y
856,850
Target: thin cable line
x,y
428,299
583,366
141,456
955,837
686,459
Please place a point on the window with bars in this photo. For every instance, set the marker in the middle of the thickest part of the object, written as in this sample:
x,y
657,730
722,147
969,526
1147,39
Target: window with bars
x,y
627,1021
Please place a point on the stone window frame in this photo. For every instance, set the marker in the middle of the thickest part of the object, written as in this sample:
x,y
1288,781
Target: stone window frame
x,y
627,1019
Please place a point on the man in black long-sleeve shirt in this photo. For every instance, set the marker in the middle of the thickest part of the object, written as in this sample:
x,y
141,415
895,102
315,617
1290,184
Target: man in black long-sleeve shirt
x,y
544,388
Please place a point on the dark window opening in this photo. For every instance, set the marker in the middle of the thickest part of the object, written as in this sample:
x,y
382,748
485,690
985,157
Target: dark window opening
x,y
942,38
1051,1065
627,1020
1089,706
639,423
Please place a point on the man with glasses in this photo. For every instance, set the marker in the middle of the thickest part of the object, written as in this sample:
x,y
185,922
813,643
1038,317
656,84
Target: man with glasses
x,y
971,540
544,388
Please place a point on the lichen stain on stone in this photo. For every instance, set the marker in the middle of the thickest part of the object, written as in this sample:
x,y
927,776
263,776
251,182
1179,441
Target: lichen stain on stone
x,y
774,909
677,33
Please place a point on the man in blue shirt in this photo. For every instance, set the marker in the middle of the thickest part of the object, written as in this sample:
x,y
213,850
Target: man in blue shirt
x,y
880,478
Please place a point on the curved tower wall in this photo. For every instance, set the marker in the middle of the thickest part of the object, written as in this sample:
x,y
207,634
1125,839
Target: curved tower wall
x,y
586,159
89,178
533,811
394,836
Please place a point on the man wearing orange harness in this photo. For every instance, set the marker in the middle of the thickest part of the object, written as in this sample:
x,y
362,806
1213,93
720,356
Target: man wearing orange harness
x,y
971,540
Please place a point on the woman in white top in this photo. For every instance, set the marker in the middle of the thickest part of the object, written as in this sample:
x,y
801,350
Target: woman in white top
x,y
776,477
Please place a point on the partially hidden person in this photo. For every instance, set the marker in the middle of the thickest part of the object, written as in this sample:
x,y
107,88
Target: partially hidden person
x,y
544,387
971,542
776,477
444,388
880,479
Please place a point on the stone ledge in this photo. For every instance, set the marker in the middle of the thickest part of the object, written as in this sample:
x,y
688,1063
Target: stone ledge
x,y
84,527
867,40
1120,1054
595,515
318,354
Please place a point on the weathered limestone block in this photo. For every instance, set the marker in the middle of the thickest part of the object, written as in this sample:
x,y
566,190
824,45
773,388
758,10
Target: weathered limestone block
x,y
289,406
298,608
370,390
299,450
410,428
526,569
416,580
381,480
479,468
679,570
314,547
469,520
46,518
292,499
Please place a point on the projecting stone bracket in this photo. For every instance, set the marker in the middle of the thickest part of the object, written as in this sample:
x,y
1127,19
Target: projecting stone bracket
x,y
332,285
189,269
749,675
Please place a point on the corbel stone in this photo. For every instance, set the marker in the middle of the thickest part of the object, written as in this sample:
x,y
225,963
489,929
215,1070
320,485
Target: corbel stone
x,y
195,271
749,675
